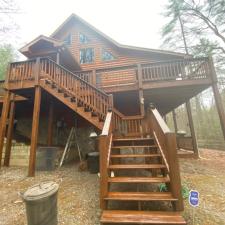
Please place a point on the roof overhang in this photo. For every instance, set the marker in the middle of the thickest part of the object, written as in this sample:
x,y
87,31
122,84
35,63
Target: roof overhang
x,y
39,45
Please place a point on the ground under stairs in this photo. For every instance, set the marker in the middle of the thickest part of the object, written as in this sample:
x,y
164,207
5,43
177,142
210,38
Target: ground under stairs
x,y
134,196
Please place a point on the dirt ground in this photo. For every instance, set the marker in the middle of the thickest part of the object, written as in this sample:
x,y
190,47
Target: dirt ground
x,y
78,202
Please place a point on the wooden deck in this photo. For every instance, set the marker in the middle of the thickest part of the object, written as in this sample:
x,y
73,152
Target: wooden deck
x,y
147,76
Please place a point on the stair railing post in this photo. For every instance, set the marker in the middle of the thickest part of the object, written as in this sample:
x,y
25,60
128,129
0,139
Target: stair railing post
x,y
37,71
174,170
103,170
110,102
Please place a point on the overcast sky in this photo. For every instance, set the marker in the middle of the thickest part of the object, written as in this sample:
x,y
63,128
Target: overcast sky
x,y
131,22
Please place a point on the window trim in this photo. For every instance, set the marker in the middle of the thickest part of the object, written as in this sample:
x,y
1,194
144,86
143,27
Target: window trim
x,y
93,55
68,35
87,39
107,60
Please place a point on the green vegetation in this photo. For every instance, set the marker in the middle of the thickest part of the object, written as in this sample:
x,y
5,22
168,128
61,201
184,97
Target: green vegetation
x,y
7,54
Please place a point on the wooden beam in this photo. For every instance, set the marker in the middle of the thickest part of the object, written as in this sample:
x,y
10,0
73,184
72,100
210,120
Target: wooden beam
x,y
9,134
192,129
50,123
141,101
175,121
3,122
34,133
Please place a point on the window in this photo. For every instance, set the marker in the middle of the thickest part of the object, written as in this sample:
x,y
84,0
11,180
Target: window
x,y
86,55
107,56
68,40
83,38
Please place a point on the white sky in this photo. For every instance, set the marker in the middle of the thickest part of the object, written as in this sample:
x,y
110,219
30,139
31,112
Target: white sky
x,y
131,22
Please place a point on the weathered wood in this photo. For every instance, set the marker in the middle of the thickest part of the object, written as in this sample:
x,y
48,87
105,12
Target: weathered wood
x,y
34,133
50,123
192,129
9,134
175,121
3,122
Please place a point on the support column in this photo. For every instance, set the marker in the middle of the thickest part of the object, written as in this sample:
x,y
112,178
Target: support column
x,y
4,116
34,133
192,129
218,100
175,121
50,123
219,106
9,134
141,95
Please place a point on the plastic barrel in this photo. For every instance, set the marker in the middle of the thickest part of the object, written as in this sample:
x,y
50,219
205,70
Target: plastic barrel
x,y
93,162
41,204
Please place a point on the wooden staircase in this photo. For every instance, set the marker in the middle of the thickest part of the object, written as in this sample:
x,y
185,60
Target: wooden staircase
x,y
85,99
139,166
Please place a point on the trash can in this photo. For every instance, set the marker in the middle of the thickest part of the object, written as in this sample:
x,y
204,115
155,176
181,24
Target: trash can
x,y
45,158
93,162
41,204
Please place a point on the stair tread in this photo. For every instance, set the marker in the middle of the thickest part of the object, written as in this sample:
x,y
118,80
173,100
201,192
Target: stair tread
x,y
141,196
132,139
139,179
137,166
135,155
134,146
143,217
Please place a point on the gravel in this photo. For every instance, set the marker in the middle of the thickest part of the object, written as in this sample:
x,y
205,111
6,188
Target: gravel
x,y
78,197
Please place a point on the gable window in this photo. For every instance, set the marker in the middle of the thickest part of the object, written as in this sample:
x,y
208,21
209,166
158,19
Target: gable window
x,y
107,56
68,40
83,38
86,55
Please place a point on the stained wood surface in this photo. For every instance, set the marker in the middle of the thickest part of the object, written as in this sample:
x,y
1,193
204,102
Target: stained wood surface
x,y
140,196
135,156
136,166
143,217
139,179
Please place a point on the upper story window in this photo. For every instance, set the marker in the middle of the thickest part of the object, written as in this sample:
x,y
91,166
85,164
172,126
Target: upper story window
x,y
86,55
68,39
107,56
83,39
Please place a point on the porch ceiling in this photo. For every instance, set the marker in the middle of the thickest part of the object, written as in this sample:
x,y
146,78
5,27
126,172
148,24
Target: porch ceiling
x,y
168,98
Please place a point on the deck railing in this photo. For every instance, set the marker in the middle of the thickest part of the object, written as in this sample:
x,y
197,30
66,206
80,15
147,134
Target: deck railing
x,y
131,75
82,90
127,125
166,141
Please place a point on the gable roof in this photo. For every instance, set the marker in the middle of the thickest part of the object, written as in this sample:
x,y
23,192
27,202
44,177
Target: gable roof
x,y
76,17
55,42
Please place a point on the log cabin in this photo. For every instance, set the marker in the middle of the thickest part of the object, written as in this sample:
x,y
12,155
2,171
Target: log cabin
x,y
121,92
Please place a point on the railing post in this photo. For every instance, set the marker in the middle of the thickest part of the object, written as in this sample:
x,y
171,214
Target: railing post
x,y
110,102
37,71
103,170
174,171
7,77
94,77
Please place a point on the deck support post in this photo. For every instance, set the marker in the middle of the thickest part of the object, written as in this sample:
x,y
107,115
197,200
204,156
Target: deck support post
x,y
141,93
3,122
175,121
217,97
34,133
9,133
50,123
192,129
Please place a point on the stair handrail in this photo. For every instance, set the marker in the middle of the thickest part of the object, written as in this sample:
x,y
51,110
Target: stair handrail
x,y
167,143
76,76
105,143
